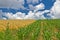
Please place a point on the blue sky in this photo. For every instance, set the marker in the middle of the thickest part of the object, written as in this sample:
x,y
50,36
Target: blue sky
x,y
24,7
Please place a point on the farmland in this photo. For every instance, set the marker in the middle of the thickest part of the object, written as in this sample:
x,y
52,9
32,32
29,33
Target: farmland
x,y
36,30
14,24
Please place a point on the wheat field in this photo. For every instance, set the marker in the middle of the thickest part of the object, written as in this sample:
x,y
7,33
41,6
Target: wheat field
x,y
14,24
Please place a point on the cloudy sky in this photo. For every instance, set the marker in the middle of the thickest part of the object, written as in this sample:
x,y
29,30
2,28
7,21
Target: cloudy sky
x,y
29,9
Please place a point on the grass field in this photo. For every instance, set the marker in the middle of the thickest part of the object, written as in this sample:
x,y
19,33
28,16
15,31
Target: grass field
x,y
37,30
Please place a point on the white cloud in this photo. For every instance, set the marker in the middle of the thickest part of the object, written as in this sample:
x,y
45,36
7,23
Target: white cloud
x,y
31,15
18,15
41,6
54,12
56,9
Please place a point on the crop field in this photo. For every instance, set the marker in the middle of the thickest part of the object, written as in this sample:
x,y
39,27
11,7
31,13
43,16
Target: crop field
x,y
35,30
14,24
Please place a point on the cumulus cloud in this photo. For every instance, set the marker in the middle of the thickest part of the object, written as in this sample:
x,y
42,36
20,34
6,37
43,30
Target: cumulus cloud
x,y
18,15
41,6
56,9
53,13
31,15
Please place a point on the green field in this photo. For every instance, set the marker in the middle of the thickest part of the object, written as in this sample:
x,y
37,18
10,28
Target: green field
x,y
38,30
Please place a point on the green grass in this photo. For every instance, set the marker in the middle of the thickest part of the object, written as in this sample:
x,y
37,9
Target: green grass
x,y
39,30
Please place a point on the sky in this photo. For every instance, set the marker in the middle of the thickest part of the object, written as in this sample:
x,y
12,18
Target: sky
x,y
29,9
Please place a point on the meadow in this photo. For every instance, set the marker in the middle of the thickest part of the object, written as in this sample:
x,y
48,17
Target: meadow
x,y
36,30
